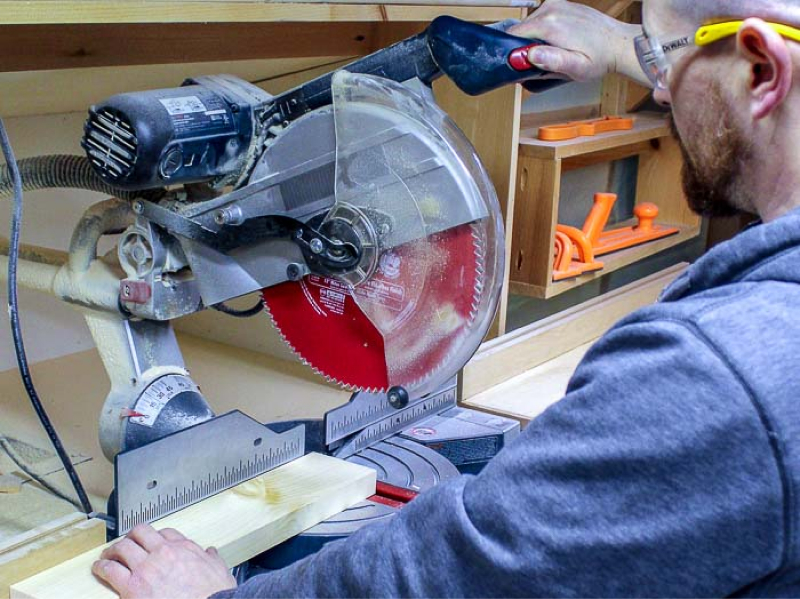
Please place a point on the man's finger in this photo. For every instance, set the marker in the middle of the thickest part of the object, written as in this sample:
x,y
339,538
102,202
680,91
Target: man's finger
x,y
556,60
170,534
126,552
212,551
146,537
113,573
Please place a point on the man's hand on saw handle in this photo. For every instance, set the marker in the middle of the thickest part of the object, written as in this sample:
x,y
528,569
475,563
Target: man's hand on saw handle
x,y
154,564
585,43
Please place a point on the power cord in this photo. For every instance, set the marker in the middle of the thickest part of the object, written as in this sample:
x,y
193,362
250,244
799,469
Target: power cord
x,y
8,449
16,328
247,313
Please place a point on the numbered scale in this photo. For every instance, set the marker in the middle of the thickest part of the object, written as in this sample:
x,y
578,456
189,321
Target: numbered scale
x,y
158,395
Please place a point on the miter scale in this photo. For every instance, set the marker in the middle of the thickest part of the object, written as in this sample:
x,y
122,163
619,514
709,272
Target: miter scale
x,y
363,217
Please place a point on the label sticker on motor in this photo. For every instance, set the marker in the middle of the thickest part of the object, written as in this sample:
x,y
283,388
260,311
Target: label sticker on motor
x,y
183,105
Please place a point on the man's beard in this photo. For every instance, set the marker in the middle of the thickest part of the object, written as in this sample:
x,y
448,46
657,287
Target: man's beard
x,y
712,176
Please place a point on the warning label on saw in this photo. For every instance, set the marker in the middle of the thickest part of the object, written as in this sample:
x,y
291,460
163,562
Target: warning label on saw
x,y
383,293
332,293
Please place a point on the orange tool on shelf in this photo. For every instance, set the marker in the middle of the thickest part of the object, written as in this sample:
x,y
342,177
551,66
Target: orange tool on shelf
x,y
576,250
573,254
576,129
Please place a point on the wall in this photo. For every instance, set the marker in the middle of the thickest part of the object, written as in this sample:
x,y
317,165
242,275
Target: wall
x,y
51,328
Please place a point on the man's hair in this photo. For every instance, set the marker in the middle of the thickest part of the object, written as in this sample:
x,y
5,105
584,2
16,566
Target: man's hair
x,y
705,11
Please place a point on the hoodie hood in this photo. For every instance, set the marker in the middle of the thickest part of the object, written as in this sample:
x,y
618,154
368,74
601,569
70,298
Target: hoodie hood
x,y
762,252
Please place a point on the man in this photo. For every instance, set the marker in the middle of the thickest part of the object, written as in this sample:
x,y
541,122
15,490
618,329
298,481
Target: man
x,y
671,467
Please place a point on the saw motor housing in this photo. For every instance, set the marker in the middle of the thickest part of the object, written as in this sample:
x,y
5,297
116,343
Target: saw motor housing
x,y
202,131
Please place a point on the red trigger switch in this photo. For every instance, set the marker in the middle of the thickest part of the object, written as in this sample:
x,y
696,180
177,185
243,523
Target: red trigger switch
x,y
518,59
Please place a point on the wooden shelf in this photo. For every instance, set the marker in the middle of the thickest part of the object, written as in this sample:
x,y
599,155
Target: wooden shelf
x,y
613,262
541,167
646,127
58,12
58,34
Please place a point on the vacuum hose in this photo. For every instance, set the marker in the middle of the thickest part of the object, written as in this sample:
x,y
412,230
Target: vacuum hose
x,y
65,171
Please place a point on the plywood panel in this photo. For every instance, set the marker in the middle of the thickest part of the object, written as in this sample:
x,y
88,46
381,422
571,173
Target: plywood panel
x,y
241,522
74,90
526,396
660,183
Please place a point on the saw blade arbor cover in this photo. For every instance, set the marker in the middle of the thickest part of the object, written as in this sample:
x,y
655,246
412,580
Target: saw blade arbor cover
x,y
419,307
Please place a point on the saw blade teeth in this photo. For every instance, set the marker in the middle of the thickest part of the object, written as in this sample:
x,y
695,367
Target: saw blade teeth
x,y
478,250
326,377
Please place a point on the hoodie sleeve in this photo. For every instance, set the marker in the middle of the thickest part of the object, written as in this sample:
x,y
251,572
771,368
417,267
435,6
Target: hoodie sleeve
x,y
654,476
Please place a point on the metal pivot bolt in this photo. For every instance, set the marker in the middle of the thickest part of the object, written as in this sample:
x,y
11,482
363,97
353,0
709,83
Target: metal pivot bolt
x,y
138,207
398,397
294,272
316,245
232,215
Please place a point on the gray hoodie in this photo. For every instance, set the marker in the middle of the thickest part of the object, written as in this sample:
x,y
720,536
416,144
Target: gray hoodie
x,y
671,467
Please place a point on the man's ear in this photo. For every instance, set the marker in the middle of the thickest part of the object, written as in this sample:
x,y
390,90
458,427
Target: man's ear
x,y
771,63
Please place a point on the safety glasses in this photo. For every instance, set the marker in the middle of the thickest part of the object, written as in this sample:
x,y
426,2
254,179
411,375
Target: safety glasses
x,y
656,58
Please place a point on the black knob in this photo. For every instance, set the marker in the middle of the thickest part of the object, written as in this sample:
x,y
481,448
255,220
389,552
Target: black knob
x,y
398,397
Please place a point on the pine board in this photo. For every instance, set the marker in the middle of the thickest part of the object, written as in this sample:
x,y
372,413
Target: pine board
x,y
298,495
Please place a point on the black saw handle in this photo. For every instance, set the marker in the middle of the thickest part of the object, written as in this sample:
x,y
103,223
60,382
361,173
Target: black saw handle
x,y
479,59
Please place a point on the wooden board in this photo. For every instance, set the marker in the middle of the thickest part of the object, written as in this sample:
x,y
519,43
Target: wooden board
x,y
48,546
535,217
528,395
241,522
518,352
237,11
43,47
16,541
74,90
645,128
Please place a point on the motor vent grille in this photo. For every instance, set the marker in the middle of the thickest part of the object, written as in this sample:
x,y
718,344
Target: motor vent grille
x,y
111,144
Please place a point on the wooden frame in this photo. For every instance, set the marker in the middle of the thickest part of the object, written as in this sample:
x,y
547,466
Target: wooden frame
x,y
60,12
541,165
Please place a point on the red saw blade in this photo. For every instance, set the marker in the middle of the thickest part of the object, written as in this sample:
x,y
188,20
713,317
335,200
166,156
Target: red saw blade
x,y
422,296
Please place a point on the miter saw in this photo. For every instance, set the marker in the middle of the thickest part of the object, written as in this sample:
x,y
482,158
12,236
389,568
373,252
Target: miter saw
x,y
363,217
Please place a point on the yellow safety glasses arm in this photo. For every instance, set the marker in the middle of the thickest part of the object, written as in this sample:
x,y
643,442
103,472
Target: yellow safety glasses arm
x,y
708,34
